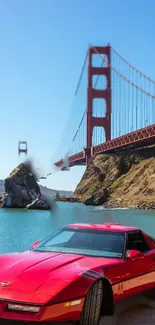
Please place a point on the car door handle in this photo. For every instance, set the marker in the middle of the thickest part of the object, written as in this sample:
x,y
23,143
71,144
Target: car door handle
x,y
153,258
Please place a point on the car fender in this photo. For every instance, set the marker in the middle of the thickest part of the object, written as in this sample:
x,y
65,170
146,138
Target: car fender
x,y
72,289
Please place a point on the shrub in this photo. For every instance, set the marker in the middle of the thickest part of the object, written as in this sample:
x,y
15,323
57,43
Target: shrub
x,y
124,164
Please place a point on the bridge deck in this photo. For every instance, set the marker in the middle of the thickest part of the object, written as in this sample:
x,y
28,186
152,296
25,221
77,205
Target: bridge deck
x,y
136,139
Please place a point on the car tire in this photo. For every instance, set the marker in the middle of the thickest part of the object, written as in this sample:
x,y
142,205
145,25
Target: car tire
x,y
91,311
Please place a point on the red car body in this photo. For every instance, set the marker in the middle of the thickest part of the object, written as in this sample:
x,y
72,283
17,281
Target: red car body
x,y
50,286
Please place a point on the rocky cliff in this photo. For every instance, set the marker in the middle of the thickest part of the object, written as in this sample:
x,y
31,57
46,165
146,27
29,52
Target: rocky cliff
x,y
43,189
22,190
120,180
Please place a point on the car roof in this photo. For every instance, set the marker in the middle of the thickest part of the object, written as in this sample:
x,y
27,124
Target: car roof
x,y
106,226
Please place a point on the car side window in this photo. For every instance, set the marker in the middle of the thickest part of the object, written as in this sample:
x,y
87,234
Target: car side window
x,y
152,240
136,241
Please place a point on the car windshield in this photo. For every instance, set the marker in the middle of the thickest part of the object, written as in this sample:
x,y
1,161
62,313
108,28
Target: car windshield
x,y
84,242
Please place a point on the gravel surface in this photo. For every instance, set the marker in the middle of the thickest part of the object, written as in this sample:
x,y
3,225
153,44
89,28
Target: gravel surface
x,y
135,312
140,315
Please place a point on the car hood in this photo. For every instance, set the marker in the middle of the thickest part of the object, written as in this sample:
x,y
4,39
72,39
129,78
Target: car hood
x,y
41,272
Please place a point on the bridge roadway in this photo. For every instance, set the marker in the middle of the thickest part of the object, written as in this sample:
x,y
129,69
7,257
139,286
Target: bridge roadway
x,y
137,139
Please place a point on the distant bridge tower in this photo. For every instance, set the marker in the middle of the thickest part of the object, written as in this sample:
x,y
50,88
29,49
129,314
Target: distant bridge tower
x,y
22,147
92,93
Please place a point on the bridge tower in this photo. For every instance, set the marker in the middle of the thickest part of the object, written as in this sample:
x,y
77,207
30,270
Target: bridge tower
x,y
92,94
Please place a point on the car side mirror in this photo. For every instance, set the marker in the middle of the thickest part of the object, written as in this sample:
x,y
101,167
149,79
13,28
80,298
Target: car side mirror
x,y
37,242
131,253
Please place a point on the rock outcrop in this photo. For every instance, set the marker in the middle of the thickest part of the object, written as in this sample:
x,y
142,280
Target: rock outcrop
x,y
38,204
119,181
22,190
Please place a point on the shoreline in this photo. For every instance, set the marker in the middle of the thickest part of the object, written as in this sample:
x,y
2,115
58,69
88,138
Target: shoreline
x,y
113,203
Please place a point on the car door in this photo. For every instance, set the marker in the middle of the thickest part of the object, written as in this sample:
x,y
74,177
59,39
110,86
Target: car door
x,y
133,275
141,268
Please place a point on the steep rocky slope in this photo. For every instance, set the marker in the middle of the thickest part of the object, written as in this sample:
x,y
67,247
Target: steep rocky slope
x,y
120,180
22,190
44,190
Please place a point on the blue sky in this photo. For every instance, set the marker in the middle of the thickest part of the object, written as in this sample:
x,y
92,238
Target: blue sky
x,y
43,45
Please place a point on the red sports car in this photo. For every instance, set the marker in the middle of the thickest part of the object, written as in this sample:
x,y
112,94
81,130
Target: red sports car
x,y
76,274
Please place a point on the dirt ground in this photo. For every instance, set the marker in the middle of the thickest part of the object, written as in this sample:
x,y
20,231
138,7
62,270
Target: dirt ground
x,y
139,311
137,316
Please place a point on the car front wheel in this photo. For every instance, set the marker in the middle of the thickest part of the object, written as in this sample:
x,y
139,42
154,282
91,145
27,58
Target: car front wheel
x,y
92,305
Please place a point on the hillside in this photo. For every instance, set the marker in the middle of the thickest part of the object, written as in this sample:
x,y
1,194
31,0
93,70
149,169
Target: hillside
x,y
120,180
53,192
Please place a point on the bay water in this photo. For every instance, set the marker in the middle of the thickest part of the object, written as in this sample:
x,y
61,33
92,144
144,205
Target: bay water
x,y
20,228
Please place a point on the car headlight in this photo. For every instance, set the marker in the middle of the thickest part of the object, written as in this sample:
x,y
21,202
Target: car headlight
x,y
31,309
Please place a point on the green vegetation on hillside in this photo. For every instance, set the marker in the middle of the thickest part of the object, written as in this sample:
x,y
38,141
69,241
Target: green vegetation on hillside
x,y
125,180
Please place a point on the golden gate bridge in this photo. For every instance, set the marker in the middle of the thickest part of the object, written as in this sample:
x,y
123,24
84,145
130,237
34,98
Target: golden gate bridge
x,y
119,108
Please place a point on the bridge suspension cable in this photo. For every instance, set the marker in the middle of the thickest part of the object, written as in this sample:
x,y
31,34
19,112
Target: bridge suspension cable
x,y
131,66
71,119
81,75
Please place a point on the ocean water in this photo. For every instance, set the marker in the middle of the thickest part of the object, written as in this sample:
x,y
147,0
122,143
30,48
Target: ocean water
x,y
20,228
